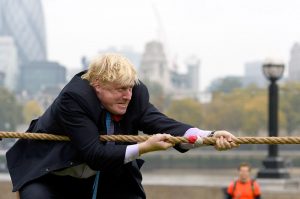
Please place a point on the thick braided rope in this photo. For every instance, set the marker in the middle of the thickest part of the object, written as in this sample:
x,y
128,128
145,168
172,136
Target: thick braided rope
x,y
33,136
141,138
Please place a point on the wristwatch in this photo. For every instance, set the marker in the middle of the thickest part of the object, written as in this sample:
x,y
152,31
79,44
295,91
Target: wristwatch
x,y
211,134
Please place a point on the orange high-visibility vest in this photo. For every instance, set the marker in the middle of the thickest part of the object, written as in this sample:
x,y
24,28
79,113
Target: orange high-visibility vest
x,y
241,190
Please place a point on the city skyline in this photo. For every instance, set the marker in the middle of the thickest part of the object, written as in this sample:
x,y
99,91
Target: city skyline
x,y
24,22
223,35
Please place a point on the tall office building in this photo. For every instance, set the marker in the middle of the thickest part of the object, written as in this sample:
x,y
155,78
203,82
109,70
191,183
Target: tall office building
x,y
294,64
41,75
9,63
23,20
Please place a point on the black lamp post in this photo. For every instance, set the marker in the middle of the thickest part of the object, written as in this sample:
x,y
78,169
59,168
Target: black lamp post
x,y
274,166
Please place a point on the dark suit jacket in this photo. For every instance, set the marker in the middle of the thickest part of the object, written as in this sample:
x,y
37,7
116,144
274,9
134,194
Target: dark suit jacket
x,y
78,113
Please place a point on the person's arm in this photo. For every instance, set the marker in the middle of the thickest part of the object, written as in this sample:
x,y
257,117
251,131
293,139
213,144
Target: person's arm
x,y
84,135
224,139
194,132
151,120
132,153
154,143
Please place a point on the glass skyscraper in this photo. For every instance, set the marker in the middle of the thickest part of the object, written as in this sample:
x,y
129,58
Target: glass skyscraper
x,y
23,20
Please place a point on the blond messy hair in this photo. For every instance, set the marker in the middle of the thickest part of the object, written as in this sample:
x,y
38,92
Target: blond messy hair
x,y
111,68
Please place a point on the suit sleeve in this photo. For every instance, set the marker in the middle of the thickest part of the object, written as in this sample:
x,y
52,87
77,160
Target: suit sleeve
x,y
84,135
153,121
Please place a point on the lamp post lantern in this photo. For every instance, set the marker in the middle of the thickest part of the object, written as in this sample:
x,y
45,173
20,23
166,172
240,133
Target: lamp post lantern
x,y
274,166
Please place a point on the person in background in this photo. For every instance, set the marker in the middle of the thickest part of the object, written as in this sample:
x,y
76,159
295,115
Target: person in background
x,y
244,187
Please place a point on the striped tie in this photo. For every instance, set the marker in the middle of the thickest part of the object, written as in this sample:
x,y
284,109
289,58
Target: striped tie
x,y
109,131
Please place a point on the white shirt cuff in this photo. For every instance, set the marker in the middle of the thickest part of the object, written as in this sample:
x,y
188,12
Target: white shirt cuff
x,y
196,132
132,153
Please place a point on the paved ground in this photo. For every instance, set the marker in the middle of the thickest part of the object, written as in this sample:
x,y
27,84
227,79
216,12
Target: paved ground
x,y
195,184
216,178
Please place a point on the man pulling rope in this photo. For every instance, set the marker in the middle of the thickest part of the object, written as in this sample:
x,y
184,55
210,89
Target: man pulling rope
x,y
107,98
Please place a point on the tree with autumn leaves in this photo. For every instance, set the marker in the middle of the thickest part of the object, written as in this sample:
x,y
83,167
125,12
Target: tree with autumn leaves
x,y
242,110
10,111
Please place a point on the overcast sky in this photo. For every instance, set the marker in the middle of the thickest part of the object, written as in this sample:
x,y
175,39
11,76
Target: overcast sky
x,y
224,34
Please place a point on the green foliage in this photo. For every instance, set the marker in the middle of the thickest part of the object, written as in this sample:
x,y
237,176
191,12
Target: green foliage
x,y
225,85
186,110
255,114
289,105
243,111
224,112
157,95
10,111
31,110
